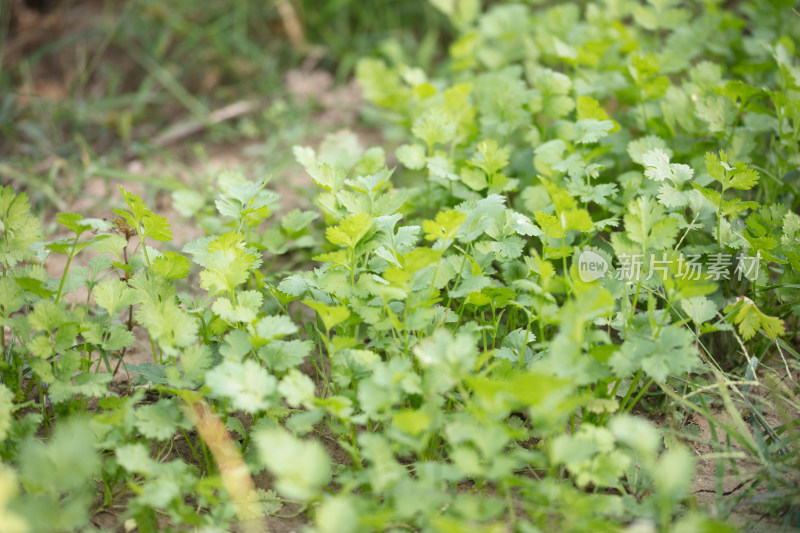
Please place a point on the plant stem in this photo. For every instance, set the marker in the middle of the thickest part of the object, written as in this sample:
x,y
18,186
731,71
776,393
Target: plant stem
x,y
66,269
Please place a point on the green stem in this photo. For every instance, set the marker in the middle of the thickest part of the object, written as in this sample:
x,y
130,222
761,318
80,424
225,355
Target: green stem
x,y
632,386
629,408
633,305
66,269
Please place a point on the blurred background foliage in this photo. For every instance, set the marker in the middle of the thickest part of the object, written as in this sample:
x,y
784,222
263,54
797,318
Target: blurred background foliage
x,y
88,84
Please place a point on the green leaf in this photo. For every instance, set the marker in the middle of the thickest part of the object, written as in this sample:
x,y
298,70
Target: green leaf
x,y
434,126
188,202
156,227
113,244
151,372
349,366
716,111
445,226
275,327
172,265
195,360
248,305
246,384
6,410
87,385
169,325
113,295
350,231
672,353
280,356
412,421
637,148
297,389
18,228
72,221
135,458
302,467
160,420
647,224
227,263
750,319
508,248
337,514
110,339
591,130
296,221
331,316
411,156
143,219
658,167
455,356
66,463
700,309
674,473
490,158
740,176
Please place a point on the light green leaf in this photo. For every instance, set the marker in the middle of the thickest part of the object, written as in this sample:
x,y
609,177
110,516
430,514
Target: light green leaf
x,y
275,327
114,295
647,224
135,458
297,388
6,410
160,420
750,319
18,228
350,231
411,156
247,384
248,305
172,265
170,326
700,309
331,316
296,221
302,467
445,226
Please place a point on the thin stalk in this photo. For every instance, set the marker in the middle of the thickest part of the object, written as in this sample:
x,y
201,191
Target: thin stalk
x,y
632,386
66,269
638,397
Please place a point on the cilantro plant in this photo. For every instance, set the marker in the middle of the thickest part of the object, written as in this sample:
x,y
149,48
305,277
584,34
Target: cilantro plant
x,y
585,223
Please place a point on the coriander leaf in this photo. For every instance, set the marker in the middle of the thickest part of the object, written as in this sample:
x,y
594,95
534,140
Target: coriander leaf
x,y
699,308
114,295
18,228
170,326
672,353
172,265
330,315
637,148
647,224
247,384
160,420
445,226
590,130
301,466
297,388
275,327
350,231
750,319
295,220
411,156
